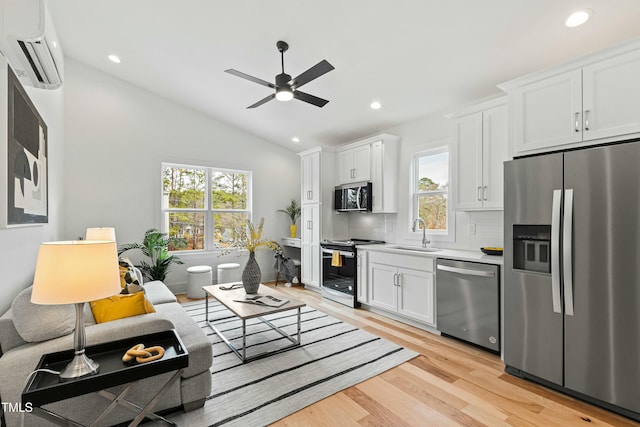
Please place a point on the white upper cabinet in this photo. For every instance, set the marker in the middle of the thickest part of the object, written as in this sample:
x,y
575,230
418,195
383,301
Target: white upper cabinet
x,y
373,159
311,178
479,152
495,138
611,97
592,100
384,174
548,113
354,164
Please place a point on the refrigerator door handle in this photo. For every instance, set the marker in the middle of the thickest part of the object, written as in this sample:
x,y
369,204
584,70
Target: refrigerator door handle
x,y
567,252
555,250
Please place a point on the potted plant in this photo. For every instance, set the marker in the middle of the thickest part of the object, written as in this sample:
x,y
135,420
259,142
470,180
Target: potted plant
x,y
249,237
293,211
155,246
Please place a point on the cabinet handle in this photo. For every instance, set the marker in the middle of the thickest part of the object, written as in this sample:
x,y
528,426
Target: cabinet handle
x,y
577,124
309,195
478,194
586,120
395,279
484,193
309,225
353,173
399,279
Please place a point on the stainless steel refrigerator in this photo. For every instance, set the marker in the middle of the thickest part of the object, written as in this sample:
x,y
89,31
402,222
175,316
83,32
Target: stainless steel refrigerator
x,y
572,273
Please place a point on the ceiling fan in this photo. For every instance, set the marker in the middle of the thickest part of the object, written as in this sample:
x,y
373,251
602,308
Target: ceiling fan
x,y
285,87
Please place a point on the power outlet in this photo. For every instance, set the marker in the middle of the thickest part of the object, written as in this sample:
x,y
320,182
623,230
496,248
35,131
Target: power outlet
x,y
471,228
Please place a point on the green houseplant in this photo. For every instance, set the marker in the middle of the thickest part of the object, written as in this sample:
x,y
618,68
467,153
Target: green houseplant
x,y
155,246
293,211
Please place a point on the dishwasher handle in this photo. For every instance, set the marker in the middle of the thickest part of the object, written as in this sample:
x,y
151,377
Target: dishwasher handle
x,y
466,271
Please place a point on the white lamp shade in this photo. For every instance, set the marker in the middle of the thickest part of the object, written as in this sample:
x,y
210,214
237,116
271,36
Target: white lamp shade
x,y
76,271
101,233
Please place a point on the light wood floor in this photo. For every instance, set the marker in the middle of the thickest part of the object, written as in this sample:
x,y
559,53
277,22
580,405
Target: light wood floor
x,y
449,384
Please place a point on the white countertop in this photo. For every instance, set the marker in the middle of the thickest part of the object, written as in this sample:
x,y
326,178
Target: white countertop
x,y
473,256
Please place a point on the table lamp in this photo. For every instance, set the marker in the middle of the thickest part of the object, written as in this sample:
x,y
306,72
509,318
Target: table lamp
x,y
100,233
74,272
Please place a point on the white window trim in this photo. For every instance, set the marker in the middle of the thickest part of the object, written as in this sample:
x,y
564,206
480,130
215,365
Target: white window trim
x,y
208,211
433,235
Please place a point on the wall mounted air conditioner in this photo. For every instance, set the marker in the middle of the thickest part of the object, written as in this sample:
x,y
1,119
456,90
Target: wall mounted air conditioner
x,y
29,42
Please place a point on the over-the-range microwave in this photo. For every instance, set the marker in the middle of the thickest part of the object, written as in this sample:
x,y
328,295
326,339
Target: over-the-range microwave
x,y
354,197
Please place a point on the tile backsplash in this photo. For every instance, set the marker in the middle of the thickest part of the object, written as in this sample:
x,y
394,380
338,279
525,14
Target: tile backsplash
x,y
474,229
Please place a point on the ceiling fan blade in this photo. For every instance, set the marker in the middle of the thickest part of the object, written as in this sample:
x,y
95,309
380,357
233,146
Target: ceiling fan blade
x,y
263,101
250,78
303,96
312,73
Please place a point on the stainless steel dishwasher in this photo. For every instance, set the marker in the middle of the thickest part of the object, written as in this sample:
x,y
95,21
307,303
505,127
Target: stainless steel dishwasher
x,y
468,302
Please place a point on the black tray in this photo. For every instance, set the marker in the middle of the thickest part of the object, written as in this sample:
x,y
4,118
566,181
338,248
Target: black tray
x,y
491,251
46,388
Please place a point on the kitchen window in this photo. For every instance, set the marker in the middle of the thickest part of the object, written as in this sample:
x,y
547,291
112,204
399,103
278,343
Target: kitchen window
x,y
202,205
431,191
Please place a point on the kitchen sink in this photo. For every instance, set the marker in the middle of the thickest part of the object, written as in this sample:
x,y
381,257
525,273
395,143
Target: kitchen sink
x,y
414,248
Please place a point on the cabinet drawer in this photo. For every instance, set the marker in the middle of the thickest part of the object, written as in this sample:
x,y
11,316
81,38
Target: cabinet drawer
x,y
292,242
417,262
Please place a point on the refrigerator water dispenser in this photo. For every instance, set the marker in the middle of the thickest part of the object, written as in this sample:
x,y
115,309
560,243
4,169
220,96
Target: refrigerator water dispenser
x,y
532,248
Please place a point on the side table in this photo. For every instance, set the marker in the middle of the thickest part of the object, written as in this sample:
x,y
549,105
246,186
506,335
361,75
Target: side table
x,y
44,388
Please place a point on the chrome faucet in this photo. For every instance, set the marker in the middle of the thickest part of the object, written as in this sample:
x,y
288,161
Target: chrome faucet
x,y
425,241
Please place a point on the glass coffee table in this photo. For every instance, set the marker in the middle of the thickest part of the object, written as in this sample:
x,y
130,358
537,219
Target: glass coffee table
x,y
245,311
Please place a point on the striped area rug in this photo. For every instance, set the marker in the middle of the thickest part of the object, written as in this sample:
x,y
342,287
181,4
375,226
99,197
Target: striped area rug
x,y
333,356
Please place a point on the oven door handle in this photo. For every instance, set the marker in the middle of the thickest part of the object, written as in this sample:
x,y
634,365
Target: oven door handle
x,y
343,253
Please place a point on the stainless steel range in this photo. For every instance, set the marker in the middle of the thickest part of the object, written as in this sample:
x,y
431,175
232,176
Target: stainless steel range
x,y
340,269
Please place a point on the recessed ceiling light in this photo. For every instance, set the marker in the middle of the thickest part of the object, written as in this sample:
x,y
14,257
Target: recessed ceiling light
x,y
114,58
295,139
376,105
577,18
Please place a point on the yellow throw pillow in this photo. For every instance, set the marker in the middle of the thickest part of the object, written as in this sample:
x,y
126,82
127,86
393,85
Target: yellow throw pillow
x,y
120,306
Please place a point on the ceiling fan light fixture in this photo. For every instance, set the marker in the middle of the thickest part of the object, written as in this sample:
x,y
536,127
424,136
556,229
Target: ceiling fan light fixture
x,y
285,86
284,94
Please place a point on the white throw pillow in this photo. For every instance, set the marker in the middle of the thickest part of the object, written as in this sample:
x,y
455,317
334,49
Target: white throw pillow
x,y
35,322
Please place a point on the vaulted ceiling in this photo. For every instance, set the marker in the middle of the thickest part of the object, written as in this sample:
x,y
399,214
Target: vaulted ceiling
x,y
416,57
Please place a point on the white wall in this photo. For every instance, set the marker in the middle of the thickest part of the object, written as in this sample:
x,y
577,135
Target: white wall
x,y
19,246
117,136
419,135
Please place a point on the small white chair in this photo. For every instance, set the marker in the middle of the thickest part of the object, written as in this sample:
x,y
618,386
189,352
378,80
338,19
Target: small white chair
x,y
197,277
228,272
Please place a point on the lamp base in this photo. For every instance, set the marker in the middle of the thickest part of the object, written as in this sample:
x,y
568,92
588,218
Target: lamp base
x,y
79,366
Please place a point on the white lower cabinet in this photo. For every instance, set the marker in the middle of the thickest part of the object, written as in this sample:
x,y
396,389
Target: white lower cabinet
x,y
403,284
310,245
361,277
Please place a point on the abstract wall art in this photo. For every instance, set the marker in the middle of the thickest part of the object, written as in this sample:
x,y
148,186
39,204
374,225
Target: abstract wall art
x,y
25,192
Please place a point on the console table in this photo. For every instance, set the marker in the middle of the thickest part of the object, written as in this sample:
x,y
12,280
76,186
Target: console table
x,y
44,388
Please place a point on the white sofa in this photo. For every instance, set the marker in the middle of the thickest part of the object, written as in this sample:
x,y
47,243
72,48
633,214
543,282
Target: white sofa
x,y
19,359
